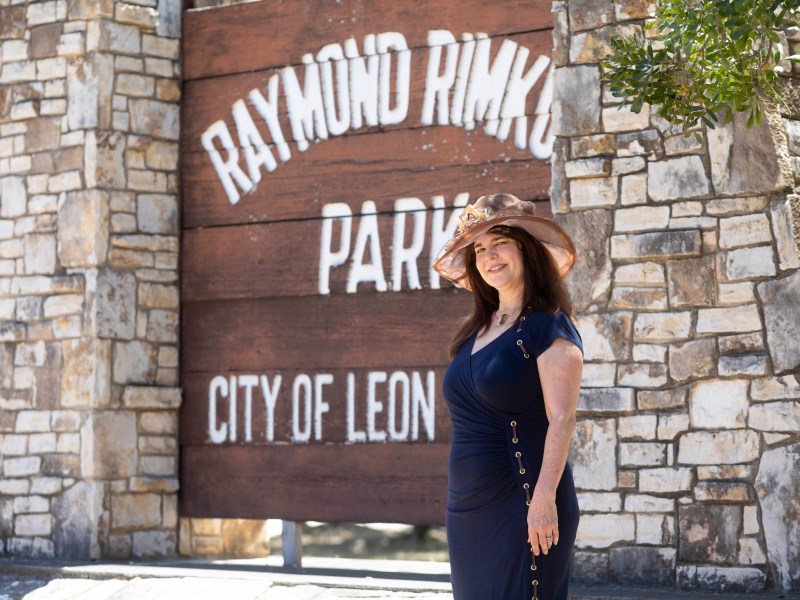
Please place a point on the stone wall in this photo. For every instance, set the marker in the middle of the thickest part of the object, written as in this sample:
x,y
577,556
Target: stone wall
x,y
687,451
89,125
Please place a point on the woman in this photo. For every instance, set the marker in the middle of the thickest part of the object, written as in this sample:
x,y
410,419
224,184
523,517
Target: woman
x,y
512,389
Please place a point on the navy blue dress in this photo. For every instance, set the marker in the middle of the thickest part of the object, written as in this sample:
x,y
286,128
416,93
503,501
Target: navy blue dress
x,y
499,427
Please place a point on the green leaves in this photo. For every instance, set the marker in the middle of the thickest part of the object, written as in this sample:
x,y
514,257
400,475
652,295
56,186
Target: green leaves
x,y
712,56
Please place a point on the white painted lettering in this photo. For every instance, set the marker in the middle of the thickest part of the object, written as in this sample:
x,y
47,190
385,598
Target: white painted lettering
x,y
423,405
437,87
336,211
228,169
256,151
320,406
374,406
387,41
301,425
462,78
353,435
487,85
338,120
402,255
217,388
516,95
269,112
232,409
363,82
270,394
541,144
306,112
248,382
441,233
401,434
361,271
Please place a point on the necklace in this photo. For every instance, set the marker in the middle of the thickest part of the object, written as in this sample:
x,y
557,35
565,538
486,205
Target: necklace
x,y
503,318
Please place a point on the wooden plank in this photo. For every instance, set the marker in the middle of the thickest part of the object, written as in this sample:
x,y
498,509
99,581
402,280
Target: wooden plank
x,y
381,167
259,35
208,100
395,482
402,329
194,418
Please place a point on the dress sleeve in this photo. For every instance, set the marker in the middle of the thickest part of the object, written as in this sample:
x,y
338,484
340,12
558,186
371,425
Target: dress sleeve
x,y
542,329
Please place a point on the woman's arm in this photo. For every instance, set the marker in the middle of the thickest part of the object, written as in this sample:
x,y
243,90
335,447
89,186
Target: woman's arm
x,y
560,368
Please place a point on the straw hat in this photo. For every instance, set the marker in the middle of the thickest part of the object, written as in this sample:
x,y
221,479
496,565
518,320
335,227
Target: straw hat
x,y
508,210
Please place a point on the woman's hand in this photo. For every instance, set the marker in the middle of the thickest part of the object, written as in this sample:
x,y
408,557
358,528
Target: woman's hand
x,y
542,523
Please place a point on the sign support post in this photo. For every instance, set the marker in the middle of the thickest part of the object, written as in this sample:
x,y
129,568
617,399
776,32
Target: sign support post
x,y
292,537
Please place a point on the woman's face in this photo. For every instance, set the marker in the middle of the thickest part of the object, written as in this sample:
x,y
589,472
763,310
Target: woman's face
x,y
499,261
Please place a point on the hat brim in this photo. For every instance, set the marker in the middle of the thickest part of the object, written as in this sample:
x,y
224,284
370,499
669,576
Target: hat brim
x,y
451,263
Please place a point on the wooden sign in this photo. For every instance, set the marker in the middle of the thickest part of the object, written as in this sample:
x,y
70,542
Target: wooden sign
x,y
327,151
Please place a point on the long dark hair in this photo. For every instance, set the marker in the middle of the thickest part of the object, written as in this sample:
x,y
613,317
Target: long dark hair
x,y
544,290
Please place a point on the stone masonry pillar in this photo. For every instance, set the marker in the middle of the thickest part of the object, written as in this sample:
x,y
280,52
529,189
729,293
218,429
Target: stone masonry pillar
x,y
89,124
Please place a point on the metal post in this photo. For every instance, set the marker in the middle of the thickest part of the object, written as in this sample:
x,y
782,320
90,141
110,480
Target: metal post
x,y
292,537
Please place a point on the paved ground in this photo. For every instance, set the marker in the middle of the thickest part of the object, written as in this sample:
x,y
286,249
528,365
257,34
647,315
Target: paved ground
x,y
266,579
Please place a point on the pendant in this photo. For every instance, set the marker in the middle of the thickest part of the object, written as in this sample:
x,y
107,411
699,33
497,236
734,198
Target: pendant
x,y
503,318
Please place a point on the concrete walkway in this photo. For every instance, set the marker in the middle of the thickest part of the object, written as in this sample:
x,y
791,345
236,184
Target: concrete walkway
x,y
266,579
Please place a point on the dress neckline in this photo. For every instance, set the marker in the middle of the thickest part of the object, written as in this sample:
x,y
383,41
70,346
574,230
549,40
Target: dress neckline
x,y
475,338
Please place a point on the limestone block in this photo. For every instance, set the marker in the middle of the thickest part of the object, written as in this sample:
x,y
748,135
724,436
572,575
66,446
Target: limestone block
x,y
116,304
6,517
624,166
65,182
775,416
31,504
726,207
588,167
158,466
17,72
153,45
14,487
642,454
650,353
722,447
65,420
134,362
747,263
63,304
721,579
13,198
606,399
735,319
593,455
637,143
641,218
108,444
640,274
718,472
206,527
656,529
23,466
153,295
576,107
83,228
750,552
109,163
89,9
152,117
751,525
633,190
43,134
151,397
245,537
642,375
593,145
637,427
107,35
708,534
606,337
161,485
788,252
160,423
41,443
736,293
598,375
135,511
12,22
600,502
774,388
665,479
590,568
69,443
621,118
744,230
162,326
643,503
677,178
693,360
85,377
604,530
32,421
90,89
61,465
590,280
593,46
589,14
743,364
158,213
782,299
661,327
691,282
663,244
30,525
743,160
76,514
588,193
720,491
717,404
40,253
13,445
